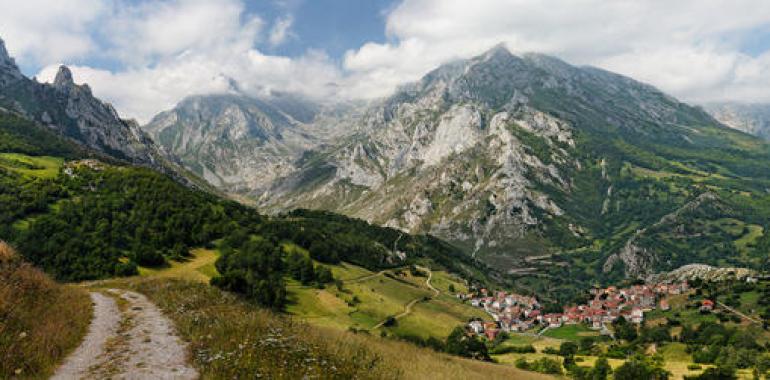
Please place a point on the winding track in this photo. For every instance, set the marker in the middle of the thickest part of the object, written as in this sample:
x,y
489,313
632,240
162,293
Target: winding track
x,y
408,307
129,338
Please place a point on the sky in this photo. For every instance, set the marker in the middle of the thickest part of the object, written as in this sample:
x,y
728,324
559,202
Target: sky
x,y
144,56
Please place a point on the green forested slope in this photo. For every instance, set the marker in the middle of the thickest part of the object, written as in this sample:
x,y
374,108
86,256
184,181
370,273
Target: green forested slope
x,y
82,219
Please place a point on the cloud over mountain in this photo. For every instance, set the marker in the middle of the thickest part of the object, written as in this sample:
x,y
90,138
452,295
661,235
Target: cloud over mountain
x,y
144,56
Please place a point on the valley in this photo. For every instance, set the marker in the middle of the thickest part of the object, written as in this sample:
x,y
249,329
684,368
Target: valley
x,y
503,215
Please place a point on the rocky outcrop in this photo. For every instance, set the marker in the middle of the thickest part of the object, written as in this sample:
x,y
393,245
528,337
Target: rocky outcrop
x,y
74,112
746,117
702,272
637,260
241,143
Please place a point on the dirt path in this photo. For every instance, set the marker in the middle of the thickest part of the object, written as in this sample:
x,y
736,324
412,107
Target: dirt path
x,y
427,282
129,338
738,313
408,307
104,324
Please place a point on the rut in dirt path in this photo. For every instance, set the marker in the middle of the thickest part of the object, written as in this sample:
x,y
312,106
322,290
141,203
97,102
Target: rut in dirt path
x,y
128,339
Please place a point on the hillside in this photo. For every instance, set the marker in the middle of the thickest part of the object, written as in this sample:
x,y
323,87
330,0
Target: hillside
x,y
536,167
548,170
71,110
750,118
241,143
102,219
40,321
71,213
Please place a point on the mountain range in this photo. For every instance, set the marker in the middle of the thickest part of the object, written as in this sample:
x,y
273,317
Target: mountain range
x,y
537,167
553,173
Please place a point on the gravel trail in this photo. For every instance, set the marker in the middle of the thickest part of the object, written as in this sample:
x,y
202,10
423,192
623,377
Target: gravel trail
x,y
129,338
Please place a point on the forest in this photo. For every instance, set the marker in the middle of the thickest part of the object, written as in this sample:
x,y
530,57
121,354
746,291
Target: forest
x,y
91,219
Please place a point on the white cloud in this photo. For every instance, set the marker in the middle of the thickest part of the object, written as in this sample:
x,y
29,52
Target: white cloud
x,y
688,47
154,30
281,30
178,48
41,31
165,50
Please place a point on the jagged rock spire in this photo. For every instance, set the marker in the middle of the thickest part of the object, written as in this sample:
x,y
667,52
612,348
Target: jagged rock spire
x,y
5,59
3,51
63,78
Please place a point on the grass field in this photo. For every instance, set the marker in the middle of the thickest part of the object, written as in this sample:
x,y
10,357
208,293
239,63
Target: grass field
x,y
199,267
40,321
231,338
39,167
368,298
571,332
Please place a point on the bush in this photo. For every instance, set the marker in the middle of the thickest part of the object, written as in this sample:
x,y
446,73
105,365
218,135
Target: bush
x,y
126,269
527,349
543,365
461,344
149,258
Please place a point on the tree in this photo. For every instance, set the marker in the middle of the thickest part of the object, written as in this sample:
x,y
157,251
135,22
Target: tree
x,y
716,373
461,344
640,368
568,349
601,369
324,275
624,330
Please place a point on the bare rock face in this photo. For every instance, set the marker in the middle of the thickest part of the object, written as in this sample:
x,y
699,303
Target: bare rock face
x,y
750,118
239,143
8,69
702,272
509,157
73,111
445,156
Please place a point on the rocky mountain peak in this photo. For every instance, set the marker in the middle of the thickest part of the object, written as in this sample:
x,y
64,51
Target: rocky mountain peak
x,y
63,78
7,64
4,57
497,52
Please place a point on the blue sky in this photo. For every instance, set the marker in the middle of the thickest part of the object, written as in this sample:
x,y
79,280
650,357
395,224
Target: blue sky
x,y
334,26
144,56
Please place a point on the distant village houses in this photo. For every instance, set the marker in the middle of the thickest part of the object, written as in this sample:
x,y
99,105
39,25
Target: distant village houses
x,y
514,312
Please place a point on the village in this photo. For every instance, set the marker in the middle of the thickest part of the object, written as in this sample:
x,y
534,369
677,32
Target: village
x,y
518,313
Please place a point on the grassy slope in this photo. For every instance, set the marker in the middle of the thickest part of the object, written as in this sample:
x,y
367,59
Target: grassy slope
x,y
29,166
232,338
380,296
40,320
202,312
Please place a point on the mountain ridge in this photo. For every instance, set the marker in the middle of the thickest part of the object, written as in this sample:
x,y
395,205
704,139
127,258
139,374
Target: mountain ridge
x,y
518,157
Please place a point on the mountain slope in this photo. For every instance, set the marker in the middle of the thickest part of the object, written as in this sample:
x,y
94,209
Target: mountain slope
x,y
541,167
83,219
73,111
242,143
750,118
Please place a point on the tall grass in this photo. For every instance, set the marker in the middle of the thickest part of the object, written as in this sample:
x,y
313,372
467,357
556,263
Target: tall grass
x,y
231,338
40,320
